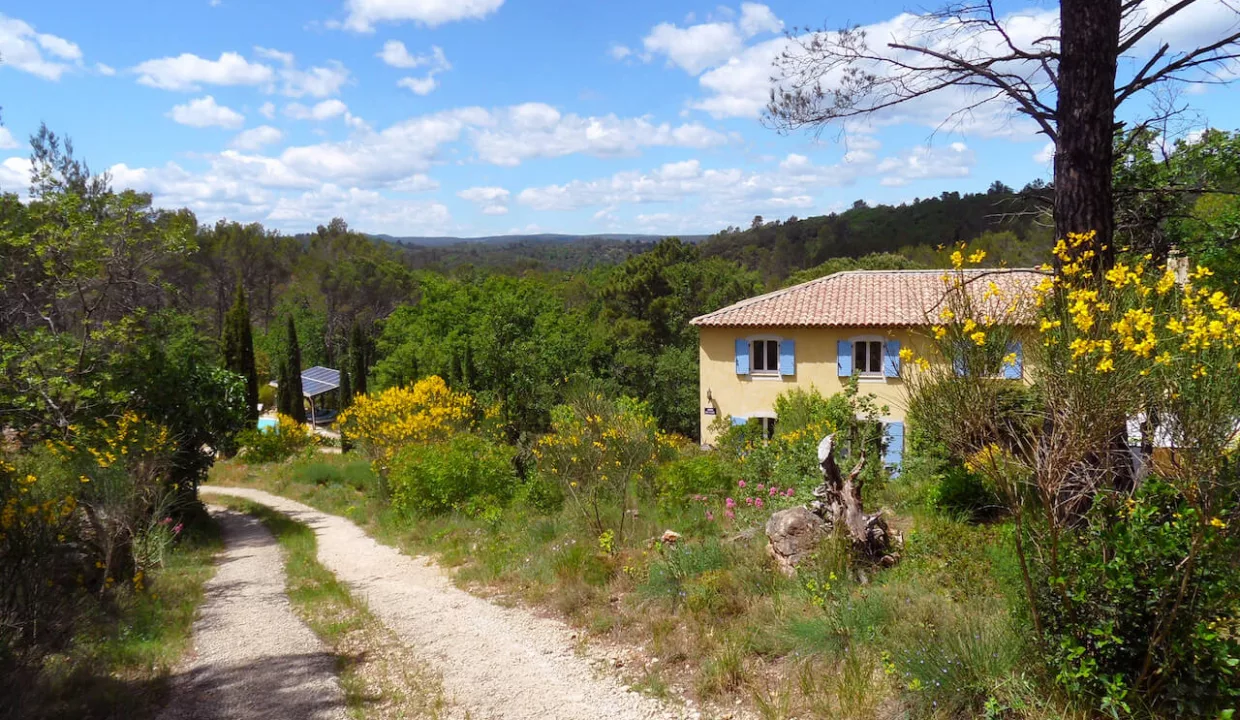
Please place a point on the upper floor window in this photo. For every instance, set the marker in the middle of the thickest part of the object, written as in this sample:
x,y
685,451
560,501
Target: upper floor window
x,y
765,354
868,357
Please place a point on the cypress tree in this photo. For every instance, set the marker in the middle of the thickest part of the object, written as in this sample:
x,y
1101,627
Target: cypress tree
x,y
297,406
282,386
238,344
357,357
346,399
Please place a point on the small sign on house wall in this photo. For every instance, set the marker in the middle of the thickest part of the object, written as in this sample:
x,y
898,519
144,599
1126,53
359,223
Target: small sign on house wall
x,y
710,411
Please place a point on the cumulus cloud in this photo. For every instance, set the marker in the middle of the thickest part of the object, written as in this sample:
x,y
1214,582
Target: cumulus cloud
x,y
15,175
395,53
205,112
537,130
325,110
105,70
363,15
41,54
436,61
317,82
698,47
267,110
491,200
619,52
188,72
257,137
6,139
922,162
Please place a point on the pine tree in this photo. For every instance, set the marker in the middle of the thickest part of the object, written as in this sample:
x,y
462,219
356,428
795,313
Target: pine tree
x,y
297,406
357,357
346,399
238,344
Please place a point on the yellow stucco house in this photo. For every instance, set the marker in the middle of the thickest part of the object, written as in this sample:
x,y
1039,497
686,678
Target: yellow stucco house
x,y
819,334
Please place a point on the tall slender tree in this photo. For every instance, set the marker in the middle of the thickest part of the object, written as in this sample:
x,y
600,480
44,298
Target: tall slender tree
x,y
297,406
346,399
238,344
357,358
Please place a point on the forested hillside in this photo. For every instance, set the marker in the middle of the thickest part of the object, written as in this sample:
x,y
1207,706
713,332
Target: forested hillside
x,y
1010,223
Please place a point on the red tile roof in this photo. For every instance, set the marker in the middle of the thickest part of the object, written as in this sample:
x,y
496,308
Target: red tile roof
x,y
868,298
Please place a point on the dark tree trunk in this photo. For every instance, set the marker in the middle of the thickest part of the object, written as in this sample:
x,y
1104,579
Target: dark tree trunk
x,y
1089,38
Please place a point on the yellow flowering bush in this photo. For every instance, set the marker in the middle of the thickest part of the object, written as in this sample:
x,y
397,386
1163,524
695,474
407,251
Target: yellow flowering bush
x,y
1126,550
599,450
287,438
380,424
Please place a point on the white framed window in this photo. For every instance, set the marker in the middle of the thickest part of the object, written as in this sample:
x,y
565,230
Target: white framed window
x,y
768,427
764,355
868,356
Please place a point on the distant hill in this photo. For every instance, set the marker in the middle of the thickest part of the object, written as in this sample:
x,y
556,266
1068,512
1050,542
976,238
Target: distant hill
x,y
526,239
1008,224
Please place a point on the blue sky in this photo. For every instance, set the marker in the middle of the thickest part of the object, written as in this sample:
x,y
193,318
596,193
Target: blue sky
x,y
478,117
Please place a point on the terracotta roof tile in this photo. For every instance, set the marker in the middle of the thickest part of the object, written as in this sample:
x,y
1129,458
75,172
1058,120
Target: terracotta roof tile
x,y
866,298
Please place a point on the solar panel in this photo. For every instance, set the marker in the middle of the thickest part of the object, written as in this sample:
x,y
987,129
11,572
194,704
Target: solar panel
x,y
318,380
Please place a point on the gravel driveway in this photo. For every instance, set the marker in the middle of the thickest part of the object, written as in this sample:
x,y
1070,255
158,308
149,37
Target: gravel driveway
x,y
252,657
495,662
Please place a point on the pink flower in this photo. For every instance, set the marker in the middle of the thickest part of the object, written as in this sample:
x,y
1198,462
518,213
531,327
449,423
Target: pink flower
x,y
710,516
791,492
761,486
729,514
758,502
730,503
773,492
740,483
749,501
177,530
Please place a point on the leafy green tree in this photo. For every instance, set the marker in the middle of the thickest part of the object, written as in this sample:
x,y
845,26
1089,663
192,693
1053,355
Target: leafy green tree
x,y
238,344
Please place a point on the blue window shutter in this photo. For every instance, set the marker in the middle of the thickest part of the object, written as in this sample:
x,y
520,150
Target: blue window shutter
x,y
742,357
891,364
843,359
739,419
894,453
787,357
1013,370
958,362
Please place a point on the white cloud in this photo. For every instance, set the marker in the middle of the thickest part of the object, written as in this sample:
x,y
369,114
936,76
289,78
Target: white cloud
x,y
41,54
188,72
268,110
619,52
15,175
361,208
491,200
922,162
105,70
538,130
757,18
6,139
318,82
255,138
416,183
205,112
364,14
395,53
1045,155
437,62
325,110
696,47
284,58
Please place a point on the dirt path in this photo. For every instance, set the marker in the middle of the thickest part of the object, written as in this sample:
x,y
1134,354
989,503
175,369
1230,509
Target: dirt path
x,y
496,662
252,657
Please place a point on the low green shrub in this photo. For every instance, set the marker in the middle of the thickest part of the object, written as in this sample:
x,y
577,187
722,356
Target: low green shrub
x,y
696,474
355,474
287,439
541,493
962,492
467,473
1144,610
679,564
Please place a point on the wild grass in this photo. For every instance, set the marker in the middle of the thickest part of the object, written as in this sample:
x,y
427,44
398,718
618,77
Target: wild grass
x,y
711,618
380,678
120,660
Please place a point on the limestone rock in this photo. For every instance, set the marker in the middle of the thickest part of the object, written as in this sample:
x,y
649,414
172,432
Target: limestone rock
x,y
794,535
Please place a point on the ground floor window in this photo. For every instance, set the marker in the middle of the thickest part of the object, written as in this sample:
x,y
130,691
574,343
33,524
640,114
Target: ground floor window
x,y
768,426
868,357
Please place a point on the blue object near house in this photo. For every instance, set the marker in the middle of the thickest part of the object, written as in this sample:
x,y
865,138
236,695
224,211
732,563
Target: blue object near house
x,y
268,423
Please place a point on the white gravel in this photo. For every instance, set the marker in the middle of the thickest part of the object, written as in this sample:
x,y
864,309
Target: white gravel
x,y
495,662
252,657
